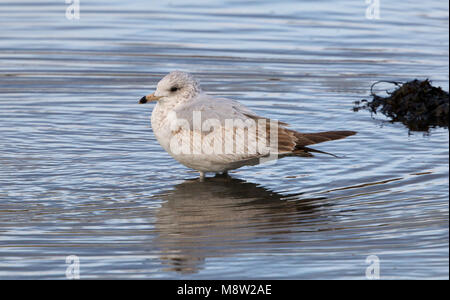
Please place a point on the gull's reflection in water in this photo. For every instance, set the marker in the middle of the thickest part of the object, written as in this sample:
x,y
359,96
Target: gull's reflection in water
x,y
222,216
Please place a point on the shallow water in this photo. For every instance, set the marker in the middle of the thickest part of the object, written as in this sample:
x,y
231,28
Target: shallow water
x,y
82,174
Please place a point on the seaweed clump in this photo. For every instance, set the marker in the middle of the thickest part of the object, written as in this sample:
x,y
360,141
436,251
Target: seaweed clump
x,y
417,104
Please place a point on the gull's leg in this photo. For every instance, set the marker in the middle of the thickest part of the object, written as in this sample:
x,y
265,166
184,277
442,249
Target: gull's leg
x,y
202,176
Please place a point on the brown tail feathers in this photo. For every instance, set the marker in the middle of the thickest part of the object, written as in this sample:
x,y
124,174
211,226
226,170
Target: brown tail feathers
x,y
305,139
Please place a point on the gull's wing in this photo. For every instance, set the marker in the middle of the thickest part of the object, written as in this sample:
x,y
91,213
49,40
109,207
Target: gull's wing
x,y
220,109
221,122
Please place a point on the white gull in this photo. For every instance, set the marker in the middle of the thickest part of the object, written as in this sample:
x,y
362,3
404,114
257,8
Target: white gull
x,y
211,134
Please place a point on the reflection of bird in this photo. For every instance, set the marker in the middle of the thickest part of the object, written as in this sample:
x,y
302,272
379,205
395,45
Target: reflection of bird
x,y
217,134
221,216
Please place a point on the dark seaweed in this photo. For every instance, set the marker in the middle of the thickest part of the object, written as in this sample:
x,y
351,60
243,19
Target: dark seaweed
x,y
417,104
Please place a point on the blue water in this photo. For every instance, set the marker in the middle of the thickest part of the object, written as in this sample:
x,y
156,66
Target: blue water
x,y
82,174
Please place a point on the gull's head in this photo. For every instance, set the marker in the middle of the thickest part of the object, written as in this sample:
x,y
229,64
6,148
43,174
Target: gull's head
x,y
176,86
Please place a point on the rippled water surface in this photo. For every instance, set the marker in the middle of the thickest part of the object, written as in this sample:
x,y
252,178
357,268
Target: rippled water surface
x,y
82,174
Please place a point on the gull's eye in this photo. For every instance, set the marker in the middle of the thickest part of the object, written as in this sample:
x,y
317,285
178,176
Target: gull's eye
x,y
174,89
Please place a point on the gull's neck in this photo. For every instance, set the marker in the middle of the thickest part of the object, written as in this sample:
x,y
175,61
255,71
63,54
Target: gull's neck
x,y
163,108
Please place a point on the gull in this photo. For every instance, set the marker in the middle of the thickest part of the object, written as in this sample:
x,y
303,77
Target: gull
x,y
211,134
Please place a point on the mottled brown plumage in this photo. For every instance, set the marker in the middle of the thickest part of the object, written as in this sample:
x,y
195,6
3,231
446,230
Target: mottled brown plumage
x,y
291,142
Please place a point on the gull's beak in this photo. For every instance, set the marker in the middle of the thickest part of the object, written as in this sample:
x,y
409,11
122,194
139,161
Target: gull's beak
x,y
149,98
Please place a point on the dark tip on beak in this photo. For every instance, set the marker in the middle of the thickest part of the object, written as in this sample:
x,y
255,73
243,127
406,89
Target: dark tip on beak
x,y
143,100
